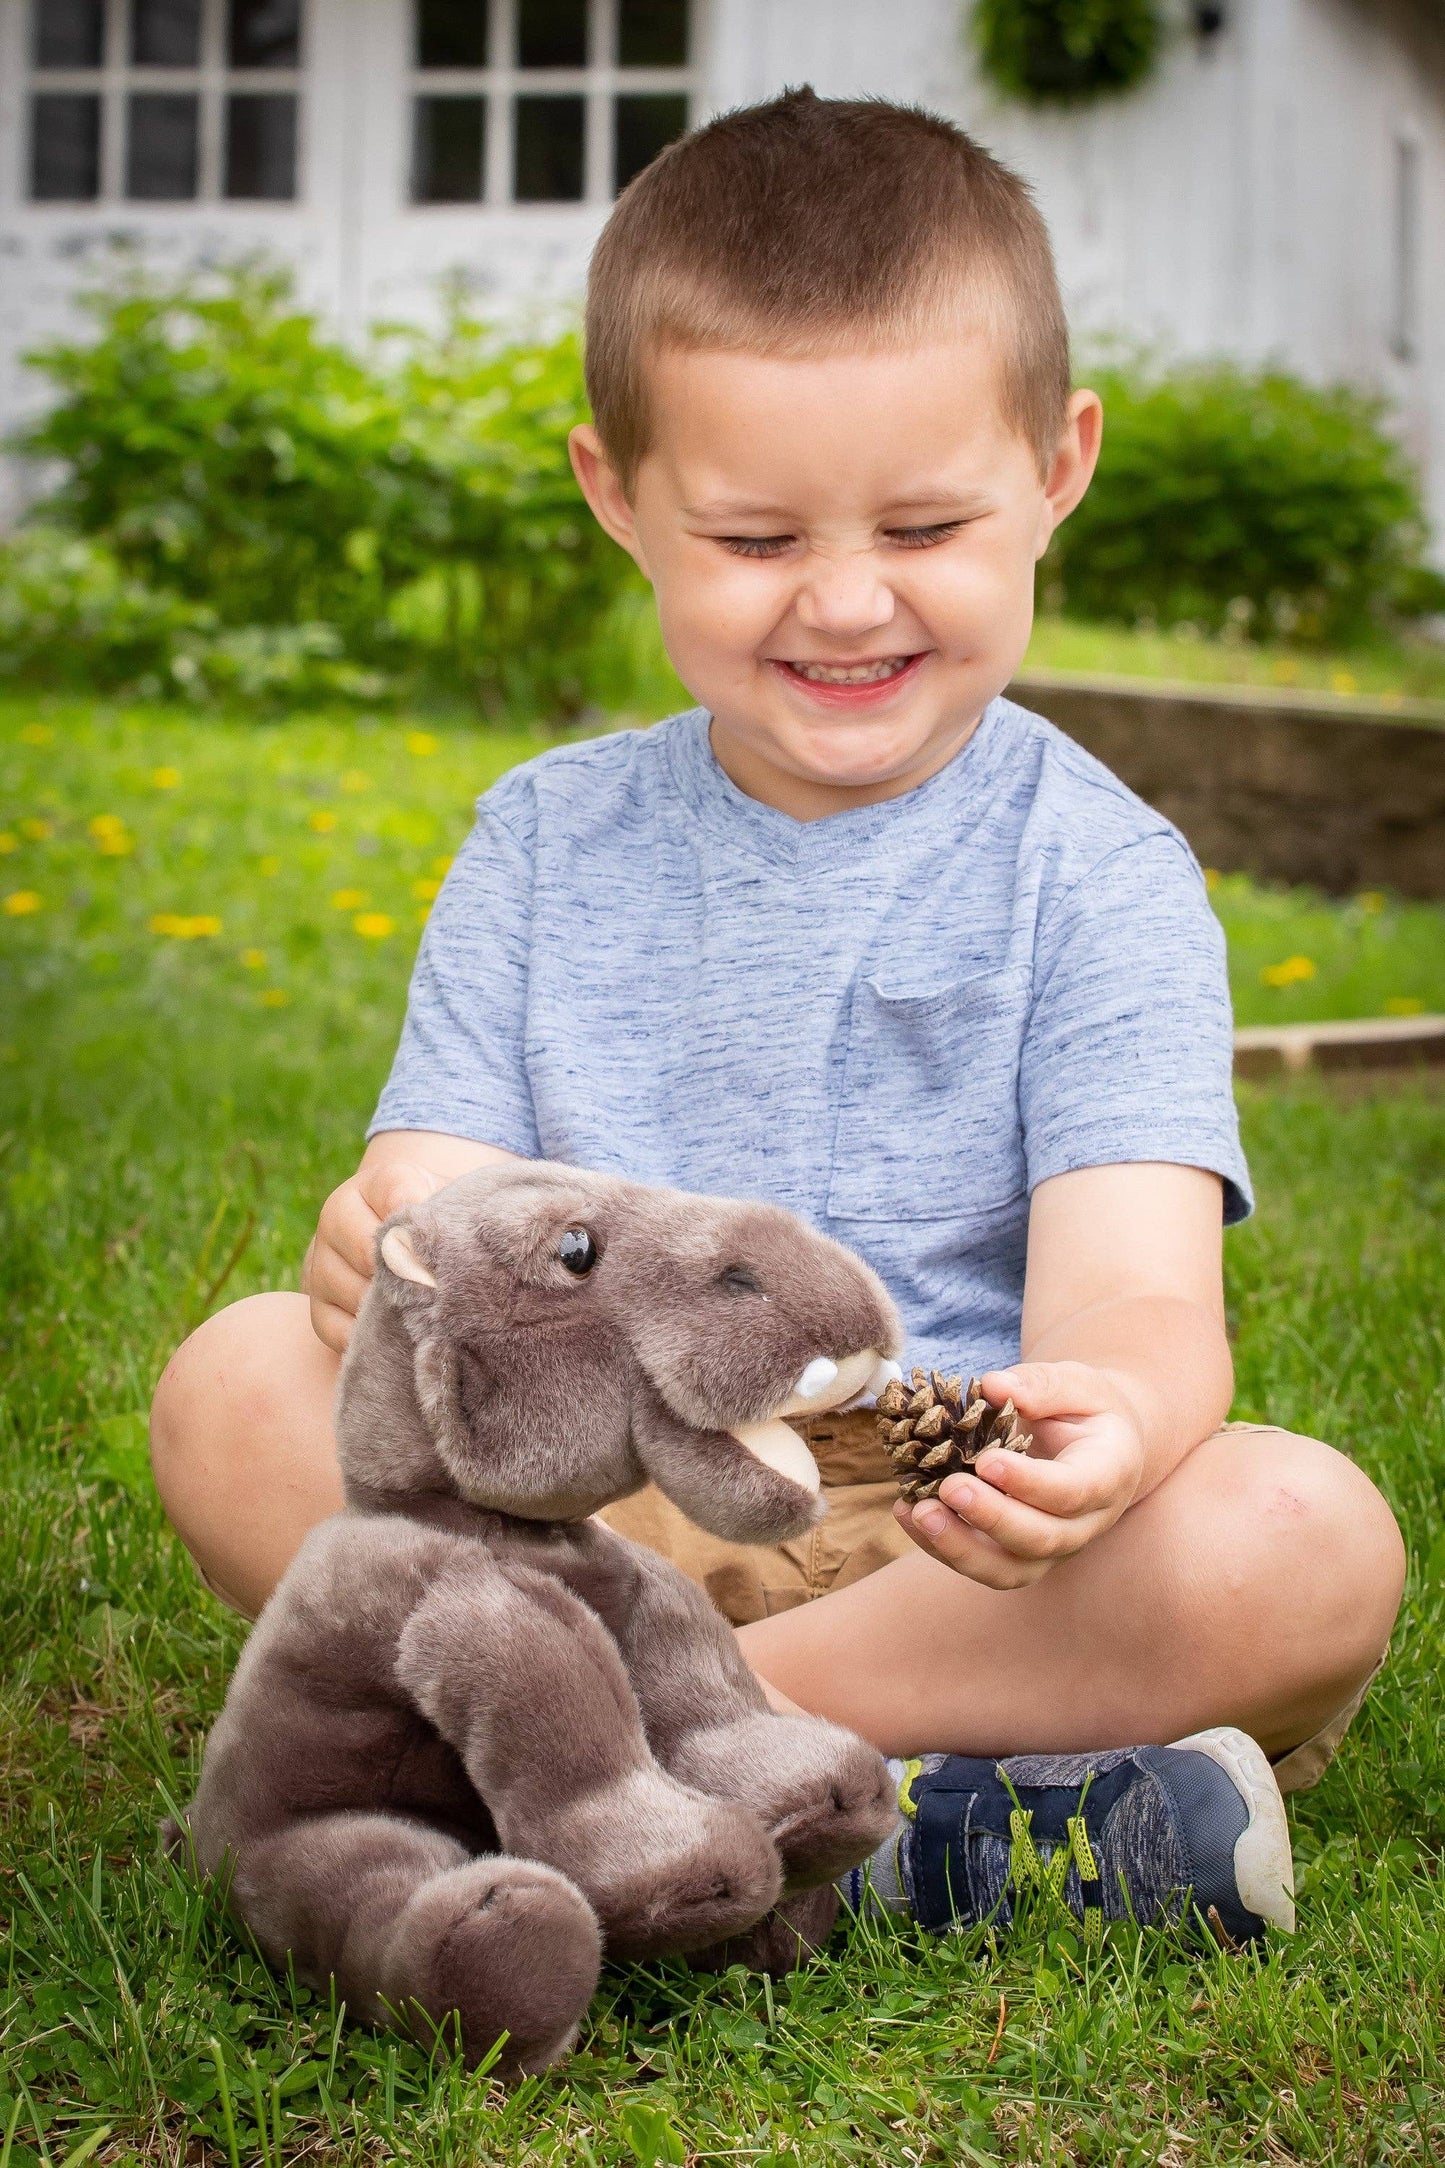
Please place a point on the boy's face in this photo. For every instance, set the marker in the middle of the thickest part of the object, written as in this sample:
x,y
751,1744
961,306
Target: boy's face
x,y
842,550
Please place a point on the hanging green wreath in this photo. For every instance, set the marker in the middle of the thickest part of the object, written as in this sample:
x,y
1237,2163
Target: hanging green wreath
x,y
1061,52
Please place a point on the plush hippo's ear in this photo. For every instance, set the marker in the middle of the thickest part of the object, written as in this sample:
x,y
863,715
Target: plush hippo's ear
x,y
399,1256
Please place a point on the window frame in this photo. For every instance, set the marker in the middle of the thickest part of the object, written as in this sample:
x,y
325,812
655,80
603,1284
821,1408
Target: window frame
x,y
599,84
212,81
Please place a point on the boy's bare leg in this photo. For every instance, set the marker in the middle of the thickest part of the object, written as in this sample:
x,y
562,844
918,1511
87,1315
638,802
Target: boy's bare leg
x,y
1255,1586
241,1443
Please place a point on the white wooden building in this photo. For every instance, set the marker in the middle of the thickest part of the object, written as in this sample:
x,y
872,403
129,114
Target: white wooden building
x,y
1276,189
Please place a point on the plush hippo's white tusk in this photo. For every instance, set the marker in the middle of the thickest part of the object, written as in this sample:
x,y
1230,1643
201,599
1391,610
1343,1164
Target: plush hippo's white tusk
x,y
816,1379
883,1376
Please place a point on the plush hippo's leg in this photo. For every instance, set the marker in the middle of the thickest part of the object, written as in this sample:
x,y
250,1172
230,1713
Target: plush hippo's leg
x,y
416,1931
528,1686
823,1794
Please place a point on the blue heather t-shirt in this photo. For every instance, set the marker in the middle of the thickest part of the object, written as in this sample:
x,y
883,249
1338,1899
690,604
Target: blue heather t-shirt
x,y
896,1020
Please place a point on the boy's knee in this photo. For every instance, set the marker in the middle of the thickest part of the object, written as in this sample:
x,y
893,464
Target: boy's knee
x,y
223,1384
1335,1544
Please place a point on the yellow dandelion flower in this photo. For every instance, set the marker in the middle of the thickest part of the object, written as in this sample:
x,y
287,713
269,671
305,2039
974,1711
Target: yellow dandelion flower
x,y
373,925
165,778
1404,1005
322,822
36,734
111,836
425,891
254,959
421,742
1288,973
273,997
1344,681
36,830
175,926
268,867
8,842
355,779
1371,899
1211,878
349,899
441,867
23,903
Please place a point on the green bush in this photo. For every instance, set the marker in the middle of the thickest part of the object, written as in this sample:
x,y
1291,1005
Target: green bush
x,y
407,512
1062,52
1226,497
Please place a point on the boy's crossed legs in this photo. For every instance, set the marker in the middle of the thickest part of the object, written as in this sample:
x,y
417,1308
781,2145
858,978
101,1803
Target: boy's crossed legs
x,y
1255,1586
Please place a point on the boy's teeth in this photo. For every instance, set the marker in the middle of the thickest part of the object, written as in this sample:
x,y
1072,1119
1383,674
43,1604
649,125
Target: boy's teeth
x,y
862,673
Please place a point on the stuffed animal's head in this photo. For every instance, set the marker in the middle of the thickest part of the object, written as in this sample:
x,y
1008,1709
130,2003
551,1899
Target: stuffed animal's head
x,y
540,1341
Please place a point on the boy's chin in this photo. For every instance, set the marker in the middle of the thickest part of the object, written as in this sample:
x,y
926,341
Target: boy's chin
x,y
854,754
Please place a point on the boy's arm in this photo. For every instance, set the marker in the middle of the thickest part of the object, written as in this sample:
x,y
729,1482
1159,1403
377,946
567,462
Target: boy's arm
x,y
1125,1368
400,1166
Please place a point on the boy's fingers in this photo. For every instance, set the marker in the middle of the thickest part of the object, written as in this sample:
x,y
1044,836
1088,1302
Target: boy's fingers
x,y
1043,1389
964,1550
397,1182
331,1326
1065,1487
1020,1529
333,1281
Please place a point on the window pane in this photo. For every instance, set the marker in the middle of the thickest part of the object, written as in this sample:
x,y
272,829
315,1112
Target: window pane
x,y
549,150
644,127
265,33
69,33
261,147
451,34
160,151
652,33
65,147
552,33
165,33
447,150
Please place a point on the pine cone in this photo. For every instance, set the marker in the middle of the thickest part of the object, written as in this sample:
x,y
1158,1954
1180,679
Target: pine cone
x,y
932,1428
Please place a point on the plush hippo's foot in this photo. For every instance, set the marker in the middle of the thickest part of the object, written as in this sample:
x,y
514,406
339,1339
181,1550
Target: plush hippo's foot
x,y
787,1937
823,1794
500,1946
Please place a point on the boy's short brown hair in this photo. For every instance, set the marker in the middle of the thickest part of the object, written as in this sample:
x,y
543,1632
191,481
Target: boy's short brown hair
x,y
787,227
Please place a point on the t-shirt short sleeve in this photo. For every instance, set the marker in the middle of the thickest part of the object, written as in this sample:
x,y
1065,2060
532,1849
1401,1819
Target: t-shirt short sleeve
x,y
1128,1053
460,1066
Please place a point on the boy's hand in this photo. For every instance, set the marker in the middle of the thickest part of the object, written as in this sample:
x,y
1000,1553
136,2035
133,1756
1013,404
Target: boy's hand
x,y
340,1262
400,1166
1018,1514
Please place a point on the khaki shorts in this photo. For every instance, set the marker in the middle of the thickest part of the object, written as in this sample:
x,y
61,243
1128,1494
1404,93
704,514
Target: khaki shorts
x,y
858,1535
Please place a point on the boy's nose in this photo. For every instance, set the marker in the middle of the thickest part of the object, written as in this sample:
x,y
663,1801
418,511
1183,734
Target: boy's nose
x,y
845,595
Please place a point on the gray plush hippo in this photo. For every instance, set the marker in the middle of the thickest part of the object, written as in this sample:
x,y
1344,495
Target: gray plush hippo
x,y
477,1741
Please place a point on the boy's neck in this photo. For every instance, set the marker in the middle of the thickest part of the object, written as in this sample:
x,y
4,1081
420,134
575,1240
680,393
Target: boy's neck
x,y
808,798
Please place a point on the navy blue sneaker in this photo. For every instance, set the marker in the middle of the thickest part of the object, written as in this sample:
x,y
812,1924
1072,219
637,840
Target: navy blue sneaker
x,y
1149,1833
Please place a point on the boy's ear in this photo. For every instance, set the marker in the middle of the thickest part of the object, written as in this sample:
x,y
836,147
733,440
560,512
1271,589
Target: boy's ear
x,y
399,1257
601,485
1075,459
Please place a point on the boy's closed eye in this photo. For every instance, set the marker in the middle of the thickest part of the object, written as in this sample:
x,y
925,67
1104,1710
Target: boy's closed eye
x,y
912,538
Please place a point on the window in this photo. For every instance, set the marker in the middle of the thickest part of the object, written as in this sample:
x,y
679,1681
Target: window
x,y
164,101
1405,252
544,101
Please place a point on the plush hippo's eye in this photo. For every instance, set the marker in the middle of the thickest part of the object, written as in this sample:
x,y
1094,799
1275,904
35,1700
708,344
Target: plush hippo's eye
x,y
577,1251
737,1280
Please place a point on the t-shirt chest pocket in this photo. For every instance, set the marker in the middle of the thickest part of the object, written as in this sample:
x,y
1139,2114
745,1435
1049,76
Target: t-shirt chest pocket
x,y
928,1125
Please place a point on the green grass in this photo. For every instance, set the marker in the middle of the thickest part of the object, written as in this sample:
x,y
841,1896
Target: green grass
x,y
1386,669
170,1115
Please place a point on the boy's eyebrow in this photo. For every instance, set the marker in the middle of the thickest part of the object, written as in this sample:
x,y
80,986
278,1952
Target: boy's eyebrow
x,y
959,503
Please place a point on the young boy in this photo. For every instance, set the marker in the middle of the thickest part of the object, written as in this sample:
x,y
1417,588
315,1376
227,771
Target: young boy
x,y
861,936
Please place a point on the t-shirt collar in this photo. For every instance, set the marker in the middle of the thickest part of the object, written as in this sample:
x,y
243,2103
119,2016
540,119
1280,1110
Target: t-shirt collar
x,y
730,815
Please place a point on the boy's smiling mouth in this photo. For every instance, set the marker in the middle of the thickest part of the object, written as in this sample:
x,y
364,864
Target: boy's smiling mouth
x,y
849,684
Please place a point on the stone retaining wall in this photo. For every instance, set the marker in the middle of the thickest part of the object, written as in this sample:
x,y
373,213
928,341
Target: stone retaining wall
x,y
1302,787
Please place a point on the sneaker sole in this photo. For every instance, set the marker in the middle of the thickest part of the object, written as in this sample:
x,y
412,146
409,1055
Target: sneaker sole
x,y
1263,1859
